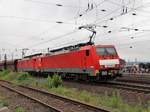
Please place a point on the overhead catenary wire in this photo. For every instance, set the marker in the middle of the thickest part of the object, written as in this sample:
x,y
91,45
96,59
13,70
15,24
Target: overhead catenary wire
x,y
35,19
116,16
68,43
132,7
86,12
59,22
133,42
55,38
53,4
99,4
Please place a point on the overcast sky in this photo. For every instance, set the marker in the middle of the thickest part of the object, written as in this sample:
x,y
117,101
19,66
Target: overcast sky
x,y
33,24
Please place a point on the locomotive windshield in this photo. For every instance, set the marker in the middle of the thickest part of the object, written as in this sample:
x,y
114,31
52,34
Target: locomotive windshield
x,y
105,51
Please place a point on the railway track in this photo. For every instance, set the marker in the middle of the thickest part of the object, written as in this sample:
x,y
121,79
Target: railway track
x,y
141,79
128,86
117,85
136,81
55,102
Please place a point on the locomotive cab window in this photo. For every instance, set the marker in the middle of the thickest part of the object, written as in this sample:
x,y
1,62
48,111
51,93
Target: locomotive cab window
x,y
106,51
87,52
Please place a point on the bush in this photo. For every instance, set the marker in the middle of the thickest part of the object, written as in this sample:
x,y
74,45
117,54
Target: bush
x,y
53,82
57,81
23,76
24,79
4,73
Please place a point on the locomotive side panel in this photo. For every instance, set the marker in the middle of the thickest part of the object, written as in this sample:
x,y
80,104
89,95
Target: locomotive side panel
x,y
25,65
72,62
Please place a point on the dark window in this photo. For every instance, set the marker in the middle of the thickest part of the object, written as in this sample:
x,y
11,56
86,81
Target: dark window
x,y
87,52
106,51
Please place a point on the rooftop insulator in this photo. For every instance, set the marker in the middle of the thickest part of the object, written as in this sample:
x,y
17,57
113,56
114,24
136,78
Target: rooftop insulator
x,y
111,18
132,37
136,29
109,31
59,5
80,15
133,13
59,22
103,10
105,26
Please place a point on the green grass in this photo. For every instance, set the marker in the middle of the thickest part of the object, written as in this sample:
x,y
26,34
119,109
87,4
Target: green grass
x,y
54,84
20,109
114,102
17,78
3,102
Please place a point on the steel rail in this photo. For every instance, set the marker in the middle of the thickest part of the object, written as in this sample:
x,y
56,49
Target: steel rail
x,y
133,87
138,81
73,101
31,98
117,85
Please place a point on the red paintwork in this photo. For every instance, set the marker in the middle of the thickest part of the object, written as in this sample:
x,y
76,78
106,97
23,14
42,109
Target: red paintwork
x,y
71,59
24,64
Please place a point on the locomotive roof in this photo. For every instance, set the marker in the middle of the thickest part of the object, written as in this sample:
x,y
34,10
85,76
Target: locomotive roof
x,y
72,47
30,56
105,46
69,48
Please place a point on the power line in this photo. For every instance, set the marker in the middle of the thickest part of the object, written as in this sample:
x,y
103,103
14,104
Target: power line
x,y
134,41
65,44
130,35
55,38
53,4
114,16
119,14
34,19
130,7
97,5
45,31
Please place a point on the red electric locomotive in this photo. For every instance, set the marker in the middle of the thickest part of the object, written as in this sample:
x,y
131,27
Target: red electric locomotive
x,y
85,62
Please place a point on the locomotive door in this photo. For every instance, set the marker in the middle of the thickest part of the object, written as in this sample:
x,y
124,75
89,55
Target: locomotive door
x,y
34,64
85,64
39,63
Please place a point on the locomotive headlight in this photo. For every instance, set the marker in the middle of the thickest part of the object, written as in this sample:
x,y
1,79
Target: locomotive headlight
x,y
91,66
109,62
